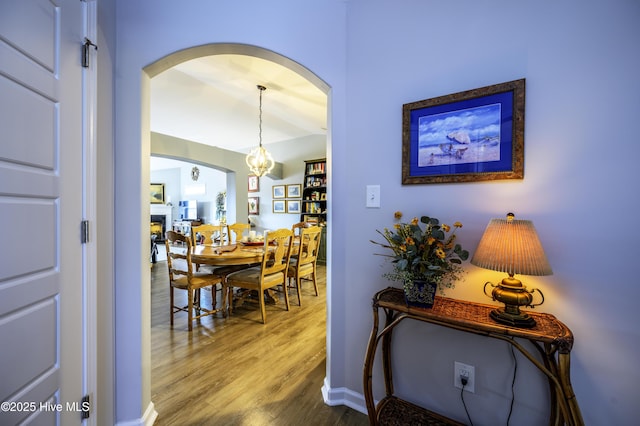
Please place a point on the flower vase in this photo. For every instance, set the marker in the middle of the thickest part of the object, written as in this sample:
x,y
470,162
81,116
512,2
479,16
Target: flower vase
x,y
420,293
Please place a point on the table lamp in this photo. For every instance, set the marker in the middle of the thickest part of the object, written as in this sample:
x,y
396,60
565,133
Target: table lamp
x,y
512,246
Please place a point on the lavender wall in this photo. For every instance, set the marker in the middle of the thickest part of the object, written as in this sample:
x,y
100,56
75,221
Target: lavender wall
x,y
580,61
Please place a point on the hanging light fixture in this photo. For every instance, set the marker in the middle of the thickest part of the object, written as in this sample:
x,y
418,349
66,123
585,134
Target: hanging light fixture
x,y
259,160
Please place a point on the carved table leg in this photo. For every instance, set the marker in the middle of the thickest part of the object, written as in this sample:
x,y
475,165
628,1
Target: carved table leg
x,y
570,397
368,367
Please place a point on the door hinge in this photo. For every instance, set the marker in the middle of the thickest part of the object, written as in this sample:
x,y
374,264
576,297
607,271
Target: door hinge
x,y
85,51
85,407
84,232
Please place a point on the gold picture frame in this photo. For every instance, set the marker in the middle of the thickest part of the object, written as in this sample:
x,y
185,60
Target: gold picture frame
x,y
294,206
476,135
294,191
279,191
279,206
157,193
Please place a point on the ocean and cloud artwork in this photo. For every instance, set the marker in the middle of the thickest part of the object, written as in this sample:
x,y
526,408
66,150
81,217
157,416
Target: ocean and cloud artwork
x,y
469,135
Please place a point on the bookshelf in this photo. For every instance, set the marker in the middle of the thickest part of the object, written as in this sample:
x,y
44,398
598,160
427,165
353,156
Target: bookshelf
x,y
314,192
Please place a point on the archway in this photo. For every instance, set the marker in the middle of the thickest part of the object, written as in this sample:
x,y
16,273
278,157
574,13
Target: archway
x,y
237,49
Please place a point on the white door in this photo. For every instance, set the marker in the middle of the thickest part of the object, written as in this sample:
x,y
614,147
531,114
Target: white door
x,y
41,284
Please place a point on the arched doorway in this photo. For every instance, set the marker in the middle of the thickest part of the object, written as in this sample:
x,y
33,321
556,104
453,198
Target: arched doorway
x,y
219,49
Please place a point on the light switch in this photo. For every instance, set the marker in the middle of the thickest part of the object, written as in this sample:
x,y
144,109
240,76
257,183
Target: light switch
x,y
373,196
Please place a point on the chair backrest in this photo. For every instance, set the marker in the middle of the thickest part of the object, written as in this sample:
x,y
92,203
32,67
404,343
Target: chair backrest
x,y
277,246
308,245
213,234
178,255
238,229
297,230
297,227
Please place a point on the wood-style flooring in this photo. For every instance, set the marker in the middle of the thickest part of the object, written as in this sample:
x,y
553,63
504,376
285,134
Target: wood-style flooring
x,y
237,371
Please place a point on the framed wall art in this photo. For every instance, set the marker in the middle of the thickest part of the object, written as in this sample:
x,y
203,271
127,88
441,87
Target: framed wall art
x,y
294,191
279,191
477,135
293,206
253,183
157,193
254,205
279,206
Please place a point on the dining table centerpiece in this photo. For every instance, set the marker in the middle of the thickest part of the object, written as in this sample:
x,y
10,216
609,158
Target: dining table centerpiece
x,y
425,257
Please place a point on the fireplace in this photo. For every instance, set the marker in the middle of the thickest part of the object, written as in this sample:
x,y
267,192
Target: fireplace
x,y
158,226
160,220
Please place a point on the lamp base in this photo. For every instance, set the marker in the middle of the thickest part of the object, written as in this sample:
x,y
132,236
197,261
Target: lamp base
x,y
520,320
513,294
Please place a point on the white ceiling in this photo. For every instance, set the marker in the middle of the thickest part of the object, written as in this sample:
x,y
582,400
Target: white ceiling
x,y
214,100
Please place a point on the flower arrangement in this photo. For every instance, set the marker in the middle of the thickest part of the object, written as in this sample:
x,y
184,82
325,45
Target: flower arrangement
x,y
430,254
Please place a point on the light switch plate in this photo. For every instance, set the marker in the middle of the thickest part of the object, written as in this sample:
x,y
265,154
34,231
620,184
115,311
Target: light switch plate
x,y
373,196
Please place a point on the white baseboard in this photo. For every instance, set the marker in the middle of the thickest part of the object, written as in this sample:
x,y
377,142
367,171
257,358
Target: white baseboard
x,y
148,418
343,396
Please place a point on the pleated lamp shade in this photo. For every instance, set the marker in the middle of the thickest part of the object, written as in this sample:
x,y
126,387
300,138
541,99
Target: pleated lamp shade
x,y
511,246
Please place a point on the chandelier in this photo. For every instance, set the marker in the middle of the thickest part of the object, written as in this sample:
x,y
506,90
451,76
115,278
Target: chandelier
x,y
259,160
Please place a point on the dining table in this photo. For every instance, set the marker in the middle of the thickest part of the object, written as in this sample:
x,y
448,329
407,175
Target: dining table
x,y
227,255
242,253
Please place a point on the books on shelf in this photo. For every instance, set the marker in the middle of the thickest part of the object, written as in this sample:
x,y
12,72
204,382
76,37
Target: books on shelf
x,y
314,207
315,168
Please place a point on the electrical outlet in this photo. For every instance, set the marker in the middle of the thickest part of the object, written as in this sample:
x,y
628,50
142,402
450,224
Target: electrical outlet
x,y
461,370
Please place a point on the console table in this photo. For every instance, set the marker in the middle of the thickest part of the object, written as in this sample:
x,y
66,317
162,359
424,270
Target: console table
x,y
551,338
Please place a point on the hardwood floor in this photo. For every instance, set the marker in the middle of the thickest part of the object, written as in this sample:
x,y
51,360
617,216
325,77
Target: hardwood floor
x,y
237,371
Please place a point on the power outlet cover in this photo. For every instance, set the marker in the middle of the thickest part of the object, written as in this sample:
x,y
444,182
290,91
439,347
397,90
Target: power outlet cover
x,y
468,371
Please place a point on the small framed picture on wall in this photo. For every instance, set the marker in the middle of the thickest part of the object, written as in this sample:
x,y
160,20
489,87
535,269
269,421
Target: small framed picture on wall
x,y
294,191
279,206
253,183
279,191
157,193
293,206
254,205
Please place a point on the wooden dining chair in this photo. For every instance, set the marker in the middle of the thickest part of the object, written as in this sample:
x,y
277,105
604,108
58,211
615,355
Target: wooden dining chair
x,y
183,277
303,265
208,233
214,235
235,231
270,274
233,236
297,228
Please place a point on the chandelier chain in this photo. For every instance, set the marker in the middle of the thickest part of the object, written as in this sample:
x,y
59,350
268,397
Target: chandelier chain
x,y
262,89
